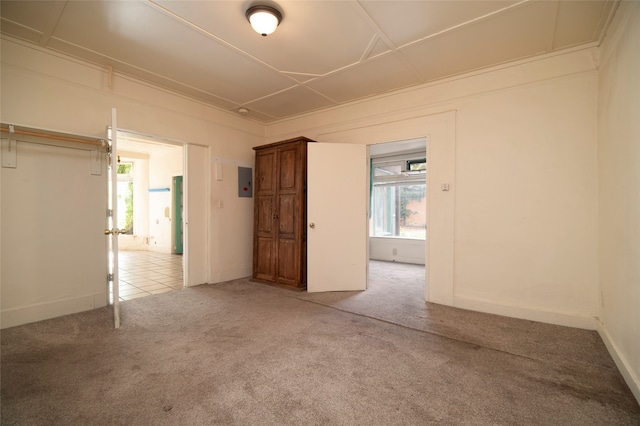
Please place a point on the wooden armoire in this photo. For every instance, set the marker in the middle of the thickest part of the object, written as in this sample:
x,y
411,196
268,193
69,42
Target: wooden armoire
x,y
279,232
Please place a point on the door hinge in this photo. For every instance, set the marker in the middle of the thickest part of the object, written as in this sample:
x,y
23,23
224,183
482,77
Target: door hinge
x,y
109,277
109,212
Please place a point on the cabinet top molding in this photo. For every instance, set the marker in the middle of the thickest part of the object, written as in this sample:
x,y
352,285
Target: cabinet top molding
x,y
298,139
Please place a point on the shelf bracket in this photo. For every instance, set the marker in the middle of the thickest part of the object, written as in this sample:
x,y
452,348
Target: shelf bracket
x,y
9,150
96,162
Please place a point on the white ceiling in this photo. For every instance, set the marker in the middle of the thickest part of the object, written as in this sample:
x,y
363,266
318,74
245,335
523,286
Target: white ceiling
x,y
323,54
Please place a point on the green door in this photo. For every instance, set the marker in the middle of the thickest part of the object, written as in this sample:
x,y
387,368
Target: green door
x,y
176,204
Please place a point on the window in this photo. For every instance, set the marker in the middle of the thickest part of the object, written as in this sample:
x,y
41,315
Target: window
x,y
398,196
417,165
125,197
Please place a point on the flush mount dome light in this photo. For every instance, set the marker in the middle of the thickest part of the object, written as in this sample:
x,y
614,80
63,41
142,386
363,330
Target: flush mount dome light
x,y
263,19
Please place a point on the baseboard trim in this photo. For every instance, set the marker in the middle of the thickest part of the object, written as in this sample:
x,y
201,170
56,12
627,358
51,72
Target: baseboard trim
x,y
230,274
42,311
399,259
549,317
630,378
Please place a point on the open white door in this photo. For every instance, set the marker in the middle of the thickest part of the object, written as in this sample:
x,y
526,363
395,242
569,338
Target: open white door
x,y
196,213
112,230
337,237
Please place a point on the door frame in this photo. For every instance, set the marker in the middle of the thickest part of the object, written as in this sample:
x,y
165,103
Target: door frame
x,y
440,131
398,149
187,262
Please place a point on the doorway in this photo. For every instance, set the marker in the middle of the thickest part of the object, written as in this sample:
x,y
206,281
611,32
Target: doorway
x,y
150,205
398,217
439,140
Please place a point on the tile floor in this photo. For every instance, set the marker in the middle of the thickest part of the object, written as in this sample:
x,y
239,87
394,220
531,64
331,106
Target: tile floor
x,y
143,273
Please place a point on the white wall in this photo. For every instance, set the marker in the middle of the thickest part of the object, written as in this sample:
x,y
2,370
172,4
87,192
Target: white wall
x,y
619,197
524,181
230,259
46,90
526,224
404,250
163,165
54,253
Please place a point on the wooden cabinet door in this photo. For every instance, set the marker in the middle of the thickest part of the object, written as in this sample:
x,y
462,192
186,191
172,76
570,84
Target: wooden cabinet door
x,y
264,216
288,215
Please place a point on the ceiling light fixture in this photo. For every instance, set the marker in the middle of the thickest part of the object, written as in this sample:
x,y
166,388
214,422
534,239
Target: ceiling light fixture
x,y
264,19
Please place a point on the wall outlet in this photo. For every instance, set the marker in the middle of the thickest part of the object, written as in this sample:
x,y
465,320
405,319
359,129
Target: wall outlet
x,y
394,251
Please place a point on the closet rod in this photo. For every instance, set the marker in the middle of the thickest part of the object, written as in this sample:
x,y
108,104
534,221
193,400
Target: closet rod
x,y
52,136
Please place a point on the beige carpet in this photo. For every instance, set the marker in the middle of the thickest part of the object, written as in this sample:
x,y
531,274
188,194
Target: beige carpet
x,y
244,353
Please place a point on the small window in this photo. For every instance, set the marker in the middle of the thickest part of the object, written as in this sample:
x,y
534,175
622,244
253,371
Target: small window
x,y
417,165
124,168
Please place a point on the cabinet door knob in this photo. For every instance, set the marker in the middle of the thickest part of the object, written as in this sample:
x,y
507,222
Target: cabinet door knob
x,y
312,225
